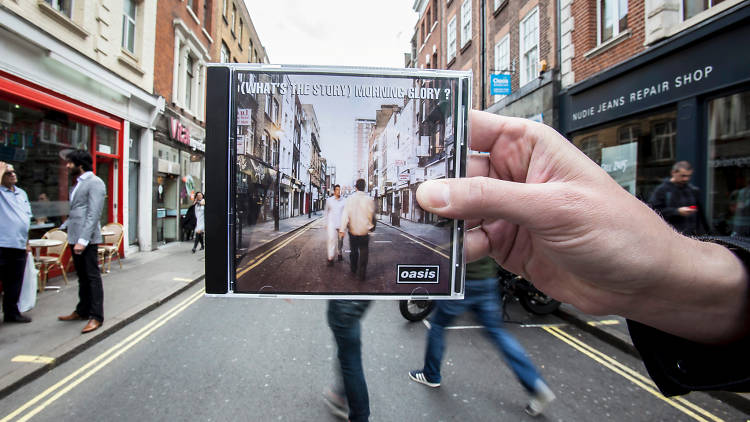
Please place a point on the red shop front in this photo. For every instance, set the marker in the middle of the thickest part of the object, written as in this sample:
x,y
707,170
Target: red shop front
x,y
36,124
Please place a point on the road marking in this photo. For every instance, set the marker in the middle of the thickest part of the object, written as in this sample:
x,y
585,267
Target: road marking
x,y
259,260
632,375
604,322
542,325
46,360
426,246
100,361
182,279
383,241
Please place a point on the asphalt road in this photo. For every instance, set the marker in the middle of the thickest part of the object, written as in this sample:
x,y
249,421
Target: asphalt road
x,y
297,263
229,359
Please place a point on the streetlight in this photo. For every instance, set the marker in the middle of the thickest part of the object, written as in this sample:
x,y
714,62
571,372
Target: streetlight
x,y
309,209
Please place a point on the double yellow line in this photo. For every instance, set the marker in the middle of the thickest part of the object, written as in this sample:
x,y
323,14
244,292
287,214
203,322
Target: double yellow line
x,y
89,369
259,259
633,376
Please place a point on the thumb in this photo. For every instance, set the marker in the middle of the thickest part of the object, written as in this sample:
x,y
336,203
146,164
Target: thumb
x,y
482,198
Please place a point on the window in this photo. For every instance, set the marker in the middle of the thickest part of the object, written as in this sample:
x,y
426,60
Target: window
x,y
465,22
497,4
628,134
224,9
663,137
592,148
529,47
240,37
128,25
451,45
190,4
275,111
233,20
435,8
206,15
691,8
502,58
224,53
189,83
63,6
613,18
250,49
264,150
275,152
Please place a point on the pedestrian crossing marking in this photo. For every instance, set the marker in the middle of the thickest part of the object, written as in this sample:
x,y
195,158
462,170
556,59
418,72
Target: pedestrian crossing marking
x,y
44,360
604,322
678,402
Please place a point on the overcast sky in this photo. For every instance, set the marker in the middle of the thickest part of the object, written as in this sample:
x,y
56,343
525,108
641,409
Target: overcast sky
x,y
338,33
334,32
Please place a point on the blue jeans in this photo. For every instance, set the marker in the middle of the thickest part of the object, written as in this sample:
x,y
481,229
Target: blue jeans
x,y
343,318
482,297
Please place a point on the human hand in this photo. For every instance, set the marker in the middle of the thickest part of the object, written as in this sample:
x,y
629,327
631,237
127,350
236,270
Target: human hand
x,y
545,211
78,249
687,211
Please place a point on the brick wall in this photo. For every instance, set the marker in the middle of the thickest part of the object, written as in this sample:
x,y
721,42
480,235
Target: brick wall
x,y
584,39
167,11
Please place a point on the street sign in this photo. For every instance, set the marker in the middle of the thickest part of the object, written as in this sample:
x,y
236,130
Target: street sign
x,y
500,84
403,177
244,116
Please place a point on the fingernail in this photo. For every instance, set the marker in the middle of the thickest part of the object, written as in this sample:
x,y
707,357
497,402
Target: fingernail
x,y
434,194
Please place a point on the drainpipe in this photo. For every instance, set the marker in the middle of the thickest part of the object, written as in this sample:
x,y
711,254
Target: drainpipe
x,y
483,53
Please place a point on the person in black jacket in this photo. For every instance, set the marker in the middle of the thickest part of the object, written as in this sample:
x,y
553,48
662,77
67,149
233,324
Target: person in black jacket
x,y
188,223
545,211
679,202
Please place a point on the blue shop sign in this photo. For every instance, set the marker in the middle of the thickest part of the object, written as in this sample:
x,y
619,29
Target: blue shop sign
x,y
500,84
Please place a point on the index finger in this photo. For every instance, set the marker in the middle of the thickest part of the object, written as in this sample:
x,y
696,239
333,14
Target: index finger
x,y
487,128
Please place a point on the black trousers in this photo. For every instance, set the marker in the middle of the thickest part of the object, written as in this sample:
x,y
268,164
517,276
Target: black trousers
x,y
360,246
12,266
90,291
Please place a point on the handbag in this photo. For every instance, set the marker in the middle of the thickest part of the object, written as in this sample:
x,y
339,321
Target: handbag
x,y
27,300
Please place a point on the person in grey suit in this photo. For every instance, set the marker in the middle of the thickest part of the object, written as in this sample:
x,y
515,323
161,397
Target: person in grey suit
x,y
84,234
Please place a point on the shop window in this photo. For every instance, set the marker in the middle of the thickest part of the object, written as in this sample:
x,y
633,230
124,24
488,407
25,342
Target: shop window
x,y
663,138
63,6
133,183
729,164
128,25
106,140
466,22
529,46
451,44
612,18
691,8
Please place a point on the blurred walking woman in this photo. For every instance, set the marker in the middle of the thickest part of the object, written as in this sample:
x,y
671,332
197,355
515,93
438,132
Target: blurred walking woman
x,y
200,224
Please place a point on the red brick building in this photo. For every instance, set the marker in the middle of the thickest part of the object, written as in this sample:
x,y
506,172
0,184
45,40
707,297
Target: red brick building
x,y
647,84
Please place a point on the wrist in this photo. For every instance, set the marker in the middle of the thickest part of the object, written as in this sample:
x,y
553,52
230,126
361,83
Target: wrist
x,y
701,293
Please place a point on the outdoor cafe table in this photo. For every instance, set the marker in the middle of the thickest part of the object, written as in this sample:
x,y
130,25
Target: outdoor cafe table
x,y
37,245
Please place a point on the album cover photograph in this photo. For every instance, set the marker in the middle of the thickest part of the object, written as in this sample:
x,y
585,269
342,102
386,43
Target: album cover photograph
x,y
324,172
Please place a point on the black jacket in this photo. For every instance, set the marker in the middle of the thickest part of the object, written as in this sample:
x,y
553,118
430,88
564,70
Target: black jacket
x,y
679,366
188,220
668,197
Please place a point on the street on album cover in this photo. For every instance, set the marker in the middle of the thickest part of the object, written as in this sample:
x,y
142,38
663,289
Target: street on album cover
x,y
324,165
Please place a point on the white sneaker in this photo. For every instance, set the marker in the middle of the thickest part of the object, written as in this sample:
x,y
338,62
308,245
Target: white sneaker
x,y
336,404
542,397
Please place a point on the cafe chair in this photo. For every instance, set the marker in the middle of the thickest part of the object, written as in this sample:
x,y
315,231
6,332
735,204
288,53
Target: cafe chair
x,y
53,257
111,245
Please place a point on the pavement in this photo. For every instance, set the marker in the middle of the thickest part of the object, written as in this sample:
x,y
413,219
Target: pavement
x,y
146,281
149,279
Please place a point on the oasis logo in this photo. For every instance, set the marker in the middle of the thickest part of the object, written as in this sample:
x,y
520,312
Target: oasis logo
x,y
418,274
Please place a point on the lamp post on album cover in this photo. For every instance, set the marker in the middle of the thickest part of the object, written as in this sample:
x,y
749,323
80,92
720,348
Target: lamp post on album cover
x,y
333,160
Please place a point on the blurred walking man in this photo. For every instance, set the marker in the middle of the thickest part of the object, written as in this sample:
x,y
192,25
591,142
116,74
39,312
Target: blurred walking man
x,y
483,298
359,218
678,202
15,219
333,211
86,203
